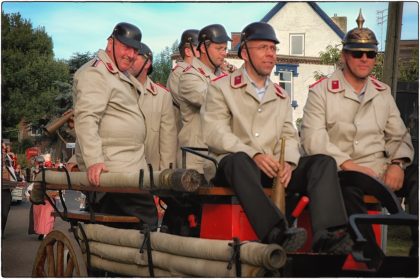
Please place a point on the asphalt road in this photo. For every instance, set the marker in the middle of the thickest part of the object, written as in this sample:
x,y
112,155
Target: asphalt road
x,y
18,248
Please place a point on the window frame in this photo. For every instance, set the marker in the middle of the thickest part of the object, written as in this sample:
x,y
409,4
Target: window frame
x,y
292,35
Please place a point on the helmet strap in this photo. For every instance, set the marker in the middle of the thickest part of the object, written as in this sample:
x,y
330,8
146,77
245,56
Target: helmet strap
x,y
113,53
142,67
192,49
250,61
211,61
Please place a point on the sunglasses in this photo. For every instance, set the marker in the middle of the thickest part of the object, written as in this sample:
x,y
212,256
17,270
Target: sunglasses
x,y
359,54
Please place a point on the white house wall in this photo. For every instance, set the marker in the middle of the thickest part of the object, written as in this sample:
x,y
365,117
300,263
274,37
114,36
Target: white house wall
x,y
299,17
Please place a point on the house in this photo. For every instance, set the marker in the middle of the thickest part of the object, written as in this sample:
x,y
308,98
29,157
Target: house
x,y
304,30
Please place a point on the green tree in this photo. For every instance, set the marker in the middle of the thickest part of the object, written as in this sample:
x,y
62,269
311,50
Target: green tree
x,y
29,71
409,70
162,64
78,59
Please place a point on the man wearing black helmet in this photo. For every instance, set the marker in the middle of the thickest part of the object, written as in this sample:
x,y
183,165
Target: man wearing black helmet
x,y
188,50
156,104
193,85
109,124
244,118
353,117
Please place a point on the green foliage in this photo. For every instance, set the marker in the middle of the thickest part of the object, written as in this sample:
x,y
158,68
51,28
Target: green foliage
x,y
162,64
78,59
409,70
29,71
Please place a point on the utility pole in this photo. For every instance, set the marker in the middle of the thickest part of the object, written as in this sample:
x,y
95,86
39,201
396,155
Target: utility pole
x,y
380,20
392,45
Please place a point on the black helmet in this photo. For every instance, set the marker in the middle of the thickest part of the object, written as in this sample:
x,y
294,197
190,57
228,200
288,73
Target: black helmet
x,y
127,34
147,53
257,31
216,33
189,36
360,39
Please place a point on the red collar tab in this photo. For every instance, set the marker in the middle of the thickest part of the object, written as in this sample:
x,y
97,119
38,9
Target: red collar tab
x,y
219,77
377,84
335,86
110,67
237,81
318,81
280,91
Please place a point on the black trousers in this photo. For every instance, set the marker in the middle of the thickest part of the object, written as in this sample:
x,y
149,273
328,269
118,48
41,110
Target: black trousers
x,y
139,205
315,176
354,190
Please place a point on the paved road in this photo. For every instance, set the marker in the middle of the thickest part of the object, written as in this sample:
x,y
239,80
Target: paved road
x,y
18,249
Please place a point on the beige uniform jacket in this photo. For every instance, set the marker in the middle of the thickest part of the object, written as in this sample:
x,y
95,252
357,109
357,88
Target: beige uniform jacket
x,y
236,120
172,85
161,138
336,123
192,89
108,121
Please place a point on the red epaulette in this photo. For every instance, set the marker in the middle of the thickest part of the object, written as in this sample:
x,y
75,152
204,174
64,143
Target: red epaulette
x,y
162,86
318,81
378,85
219,77
188,68
95,63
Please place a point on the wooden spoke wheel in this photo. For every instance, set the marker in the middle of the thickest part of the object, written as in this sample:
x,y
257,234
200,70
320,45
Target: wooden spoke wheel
x,y
59,255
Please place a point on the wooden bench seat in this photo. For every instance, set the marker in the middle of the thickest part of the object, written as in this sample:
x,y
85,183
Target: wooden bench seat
x,y
98,217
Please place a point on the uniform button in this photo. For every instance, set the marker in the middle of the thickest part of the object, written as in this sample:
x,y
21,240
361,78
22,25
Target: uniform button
x,y
257,135
356,142
259,110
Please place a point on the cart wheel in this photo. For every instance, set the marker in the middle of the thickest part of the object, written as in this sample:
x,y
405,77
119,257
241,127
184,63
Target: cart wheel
x,y
59,255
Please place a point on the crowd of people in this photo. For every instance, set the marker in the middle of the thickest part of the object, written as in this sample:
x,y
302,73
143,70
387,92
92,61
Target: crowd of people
x,y
124,121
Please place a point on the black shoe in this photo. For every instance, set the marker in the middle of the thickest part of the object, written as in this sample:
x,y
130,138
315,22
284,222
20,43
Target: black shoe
x,y
294,239
41,237
337,242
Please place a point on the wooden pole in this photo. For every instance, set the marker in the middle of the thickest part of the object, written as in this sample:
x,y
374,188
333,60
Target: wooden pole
x,y
392,45
278,195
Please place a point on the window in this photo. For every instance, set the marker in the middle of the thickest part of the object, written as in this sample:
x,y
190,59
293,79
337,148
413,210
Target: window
x,y
297,44
286,73
286,79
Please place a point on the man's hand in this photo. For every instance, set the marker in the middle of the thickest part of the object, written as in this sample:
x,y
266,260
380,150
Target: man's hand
x,y
285,174
349,165
394,177
94,173
267,164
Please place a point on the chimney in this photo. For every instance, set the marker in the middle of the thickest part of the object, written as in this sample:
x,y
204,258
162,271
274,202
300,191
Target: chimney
x,y
341,22
236,38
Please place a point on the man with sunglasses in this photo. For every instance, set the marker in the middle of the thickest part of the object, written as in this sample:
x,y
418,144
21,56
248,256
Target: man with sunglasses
x,y
188,50
192,89
353,117
245,116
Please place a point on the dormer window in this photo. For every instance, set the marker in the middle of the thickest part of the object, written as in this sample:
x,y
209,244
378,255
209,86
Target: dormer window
x,y
297,44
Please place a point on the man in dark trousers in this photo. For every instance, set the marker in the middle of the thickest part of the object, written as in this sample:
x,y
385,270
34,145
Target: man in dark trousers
x,y
245,116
